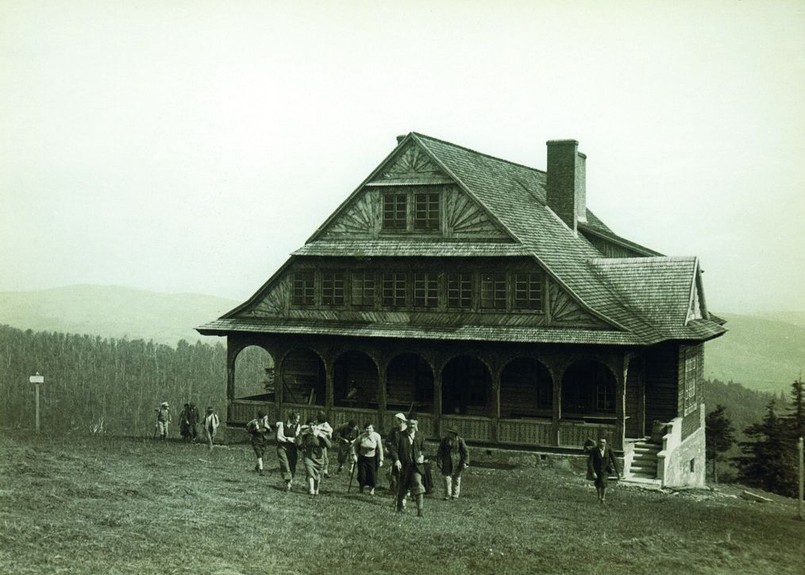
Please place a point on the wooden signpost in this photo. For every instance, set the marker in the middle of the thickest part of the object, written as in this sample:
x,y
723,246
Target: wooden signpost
x,y
37,380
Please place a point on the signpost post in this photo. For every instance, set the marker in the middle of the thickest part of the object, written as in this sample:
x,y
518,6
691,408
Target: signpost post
x,y
37,379
801,463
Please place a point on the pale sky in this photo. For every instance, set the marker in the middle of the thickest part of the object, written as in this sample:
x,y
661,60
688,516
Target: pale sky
x,y
191,146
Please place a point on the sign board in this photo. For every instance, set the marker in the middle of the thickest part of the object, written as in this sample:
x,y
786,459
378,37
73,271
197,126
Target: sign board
x,y
37,378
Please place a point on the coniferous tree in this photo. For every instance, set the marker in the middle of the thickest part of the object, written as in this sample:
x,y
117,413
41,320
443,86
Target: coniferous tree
x,y
719,436
796,416
768,460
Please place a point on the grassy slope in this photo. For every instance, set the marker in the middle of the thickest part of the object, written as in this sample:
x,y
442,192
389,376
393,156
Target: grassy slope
x,y
106,505
112,311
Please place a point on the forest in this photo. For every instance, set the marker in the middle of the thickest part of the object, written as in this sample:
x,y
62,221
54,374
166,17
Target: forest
x,y
113,386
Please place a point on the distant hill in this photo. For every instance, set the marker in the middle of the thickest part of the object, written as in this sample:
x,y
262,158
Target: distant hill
x,y
113,311
762,352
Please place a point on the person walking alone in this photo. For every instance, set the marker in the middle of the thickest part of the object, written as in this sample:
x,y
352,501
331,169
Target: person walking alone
x,y
452,458
600,464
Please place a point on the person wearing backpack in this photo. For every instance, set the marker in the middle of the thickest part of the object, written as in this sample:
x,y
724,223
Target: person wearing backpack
x,y
259,429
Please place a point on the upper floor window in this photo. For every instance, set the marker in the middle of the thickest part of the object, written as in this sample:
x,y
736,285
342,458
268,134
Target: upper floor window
x,y
459,291
395,211
394,290
409,211
528,291
493,290
426,290
363,289
332,288
304,293
692,363
426,211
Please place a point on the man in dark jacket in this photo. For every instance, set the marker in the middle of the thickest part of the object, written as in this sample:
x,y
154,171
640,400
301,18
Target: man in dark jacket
x,y
408,454
600,464
452,458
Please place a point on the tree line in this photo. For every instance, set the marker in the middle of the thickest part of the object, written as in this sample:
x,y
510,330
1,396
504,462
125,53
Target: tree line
x,y
768,451
109,385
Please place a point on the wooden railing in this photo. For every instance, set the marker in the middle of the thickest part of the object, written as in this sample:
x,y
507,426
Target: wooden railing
x,y
526,432
575,433
471,428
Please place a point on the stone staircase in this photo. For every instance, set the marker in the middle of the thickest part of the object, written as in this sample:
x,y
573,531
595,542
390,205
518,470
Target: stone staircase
x,y
643,468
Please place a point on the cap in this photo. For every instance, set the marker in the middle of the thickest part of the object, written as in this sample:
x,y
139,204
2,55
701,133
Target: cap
x,y
163,404
400,416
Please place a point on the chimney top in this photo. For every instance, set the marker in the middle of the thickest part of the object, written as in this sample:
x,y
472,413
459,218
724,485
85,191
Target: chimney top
x,y
566,182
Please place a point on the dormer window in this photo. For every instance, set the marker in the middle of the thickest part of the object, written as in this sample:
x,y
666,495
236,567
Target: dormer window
x,y
406,211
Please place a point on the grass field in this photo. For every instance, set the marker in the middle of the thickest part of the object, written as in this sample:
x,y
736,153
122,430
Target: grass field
x,y
120,505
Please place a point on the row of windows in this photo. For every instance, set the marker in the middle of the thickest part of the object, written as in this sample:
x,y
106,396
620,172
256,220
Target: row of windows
x,y
364,289
411,211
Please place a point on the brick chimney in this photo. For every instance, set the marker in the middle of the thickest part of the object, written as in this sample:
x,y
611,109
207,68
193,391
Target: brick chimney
x,y
566,186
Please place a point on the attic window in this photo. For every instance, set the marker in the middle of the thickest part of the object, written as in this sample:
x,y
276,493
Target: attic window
x,y
406,211
395,208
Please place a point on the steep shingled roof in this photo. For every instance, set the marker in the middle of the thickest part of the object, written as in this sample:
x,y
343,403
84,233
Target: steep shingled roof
x,y
645,299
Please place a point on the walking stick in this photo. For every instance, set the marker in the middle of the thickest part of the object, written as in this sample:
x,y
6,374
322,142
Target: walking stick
x,y
351,475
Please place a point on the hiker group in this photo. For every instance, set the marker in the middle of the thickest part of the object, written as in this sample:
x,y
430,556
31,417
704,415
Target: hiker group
x,y
189,420
363,452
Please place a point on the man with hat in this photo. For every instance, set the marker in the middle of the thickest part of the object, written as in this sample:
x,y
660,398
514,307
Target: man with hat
x,y
163,419
408,454
452,458
393,438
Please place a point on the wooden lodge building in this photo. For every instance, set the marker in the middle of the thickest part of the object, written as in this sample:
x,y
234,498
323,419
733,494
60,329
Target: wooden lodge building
x,y
484,295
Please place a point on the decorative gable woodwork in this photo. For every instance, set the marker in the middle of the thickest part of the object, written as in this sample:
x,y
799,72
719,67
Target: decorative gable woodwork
x,y
360,218
464,218
276,302
411,165
564,310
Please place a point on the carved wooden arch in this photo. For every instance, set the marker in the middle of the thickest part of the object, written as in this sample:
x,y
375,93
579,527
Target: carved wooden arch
x,y
536,357
388,358
350,349
444,361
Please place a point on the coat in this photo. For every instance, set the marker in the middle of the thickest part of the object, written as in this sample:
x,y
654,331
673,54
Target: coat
x,y
409,454
600,466
452,456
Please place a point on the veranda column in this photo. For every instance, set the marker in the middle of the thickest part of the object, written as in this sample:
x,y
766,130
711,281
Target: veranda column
x,y
382,397
231,353
329,386
620,404
556,395
437,402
